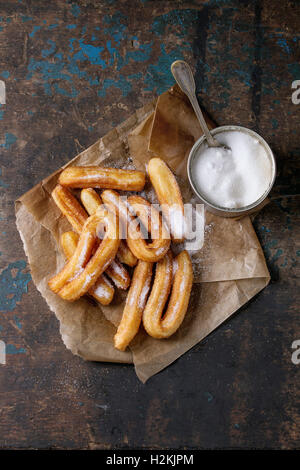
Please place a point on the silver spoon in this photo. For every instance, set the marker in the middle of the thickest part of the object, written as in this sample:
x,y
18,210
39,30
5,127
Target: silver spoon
x,y
183,75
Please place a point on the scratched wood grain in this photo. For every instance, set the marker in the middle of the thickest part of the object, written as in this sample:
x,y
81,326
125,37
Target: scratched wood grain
x,y
72,71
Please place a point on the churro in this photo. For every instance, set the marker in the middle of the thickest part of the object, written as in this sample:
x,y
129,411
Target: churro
x,y
101,177
116,271
79,258
140,207
102,290
151,220
70,207
77,216
81,272
125,255
91,201
118,274
134,306
116,204
169,197
157,324
92,248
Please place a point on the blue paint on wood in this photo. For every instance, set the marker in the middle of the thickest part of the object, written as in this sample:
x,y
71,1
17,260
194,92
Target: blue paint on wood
x,y
10,139
12,349
122,83
13,284
184,20
63,68
264,229
75,10
294,70
2,184
158,76
26,18
92,53
17,322
51,50
142,54
52,26
282,42
209,396
115,27
35,29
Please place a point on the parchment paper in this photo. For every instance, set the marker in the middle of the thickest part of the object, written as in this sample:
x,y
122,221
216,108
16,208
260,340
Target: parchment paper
x,y
229,269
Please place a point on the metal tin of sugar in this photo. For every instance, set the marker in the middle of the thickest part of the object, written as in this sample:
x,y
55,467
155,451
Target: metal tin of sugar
x,y
239,211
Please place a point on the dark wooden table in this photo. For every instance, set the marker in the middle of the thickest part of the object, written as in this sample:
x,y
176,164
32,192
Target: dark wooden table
x,y
73,70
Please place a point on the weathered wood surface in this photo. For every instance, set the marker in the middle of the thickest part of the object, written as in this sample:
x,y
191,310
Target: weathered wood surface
x,y
72,71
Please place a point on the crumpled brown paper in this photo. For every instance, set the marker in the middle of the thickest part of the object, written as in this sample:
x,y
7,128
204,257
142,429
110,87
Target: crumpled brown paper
x,y
229,269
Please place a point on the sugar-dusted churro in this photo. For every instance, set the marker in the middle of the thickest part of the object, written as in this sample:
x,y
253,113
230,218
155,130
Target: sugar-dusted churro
x,y
145,241
125,255
70,207
77,216
118,274
169,196
91,201
147,252
116,271
116,204
102,177
68,242
79,258
82,274
102,290
134,306
157,324
151,220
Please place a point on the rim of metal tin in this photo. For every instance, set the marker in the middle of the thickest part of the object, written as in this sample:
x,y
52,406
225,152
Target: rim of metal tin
x,y
218,130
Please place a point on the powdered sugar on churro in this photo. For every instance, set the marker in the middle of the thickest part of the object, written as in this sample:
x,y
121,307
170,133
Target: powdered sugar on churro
x,y
144,294
118,269
77,273
176,220
87,280
100,291
82,258
175,266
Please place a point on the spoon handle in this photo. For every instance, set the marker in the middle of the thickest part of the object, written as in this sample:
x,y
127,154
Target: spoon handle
x,y
183,75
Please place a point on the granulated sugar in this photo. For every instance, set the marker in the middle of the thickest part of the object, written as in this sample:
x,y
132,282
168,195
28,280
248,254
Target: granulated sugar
x,y
236,178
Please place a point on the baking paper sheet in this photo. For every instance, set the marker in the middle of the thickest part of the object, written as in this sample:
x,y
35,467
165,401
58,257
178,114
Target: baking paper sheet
x,y
229,269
